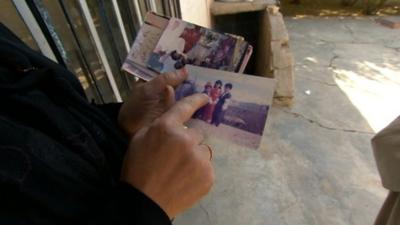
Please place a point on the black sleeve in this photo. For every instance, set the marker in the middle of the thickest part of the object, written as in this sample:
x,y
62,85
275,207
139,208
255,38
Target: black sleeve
x,y
133,207
57,161
110,109
42,182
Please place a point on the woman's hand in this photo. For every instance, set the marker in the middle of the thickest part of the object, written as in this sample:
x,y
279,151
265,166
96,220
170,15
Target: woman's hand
x,y
149,100
167,161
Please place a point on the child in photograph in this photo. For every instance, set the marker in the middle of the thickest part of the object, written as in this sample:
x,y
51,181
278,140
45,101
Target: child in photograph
x,y
173,39
191,37
155,60
187,88
207,43
169,61
221,57
222,105
215,92
207,89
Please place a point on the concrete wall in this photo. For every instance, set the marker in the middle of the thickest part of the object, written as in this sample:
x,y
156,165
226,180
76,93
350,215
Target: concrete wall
x,y
196,11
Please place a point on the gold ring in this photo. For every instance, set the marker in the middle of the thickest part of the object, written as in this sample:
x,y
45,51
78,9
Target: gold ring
x,y
210,150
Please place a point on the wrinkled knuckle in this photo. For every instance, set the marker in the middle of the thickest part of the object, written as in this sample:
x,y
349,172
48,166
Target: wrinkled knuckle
x,y
146,90
168,76
165,77
186,142
189,158
187,104
165,126
161,125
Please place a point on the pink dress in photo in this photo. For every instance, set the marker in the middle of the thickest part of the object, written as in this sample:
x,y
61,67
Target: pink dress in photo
x,y
209,109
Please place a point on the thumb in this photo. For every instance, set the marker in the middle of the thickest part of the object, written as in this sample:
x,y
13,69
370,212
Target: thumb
x,y
169,97
159,83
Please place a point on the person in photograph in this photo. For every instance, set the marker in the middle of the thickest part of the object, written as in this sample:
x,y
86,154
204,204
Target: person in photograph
x,y
222,105
191,37
215,92
155,60
222,56
203,48
179,64
187,88
207,90
171,61
173,39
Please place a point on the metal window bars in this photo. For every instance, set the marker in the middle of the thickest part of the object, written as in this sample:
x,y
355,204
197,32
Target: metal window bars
x,y
91,37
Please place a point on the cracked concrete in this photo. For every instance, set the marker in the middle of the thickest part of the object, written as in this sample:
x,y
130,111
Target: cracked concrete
x,y
327,127
315,165
206,212
332,61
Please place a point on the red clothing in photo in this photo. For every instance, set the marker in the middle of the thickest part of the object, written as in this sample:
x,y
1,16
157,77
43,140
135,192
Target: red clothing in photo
x,y
209,109
191,37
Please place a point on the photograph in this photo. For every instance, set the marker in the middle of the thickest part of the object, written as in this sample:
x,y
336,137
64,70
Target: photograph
x,y
238,105
184,43
136,60
146,40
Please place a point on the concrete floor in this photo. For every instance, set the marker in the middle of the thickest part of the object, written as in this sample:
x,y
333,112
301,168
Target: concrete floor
x,y
316,165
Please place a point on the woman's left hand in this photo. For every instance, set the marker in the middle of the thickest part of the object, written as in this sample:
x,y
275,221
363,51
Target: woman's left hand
x,y
149,100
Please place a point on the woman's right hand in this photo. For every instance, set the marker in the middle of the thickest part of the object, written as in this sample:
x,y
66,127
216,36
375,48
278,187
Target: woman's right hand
x,y
166,160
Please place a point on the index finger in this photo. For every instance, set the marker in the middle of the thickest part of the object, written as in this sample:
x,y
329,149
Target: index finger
x,y
183,110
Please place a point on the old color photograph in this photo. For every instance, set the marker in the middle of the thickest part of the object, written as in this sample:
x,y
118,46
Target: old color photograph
x,y
185,43
238,105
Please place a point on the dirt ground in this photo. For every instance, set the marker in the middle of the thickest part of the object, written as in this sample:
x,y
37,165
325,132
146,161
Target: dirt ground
x,y
228,134
334,8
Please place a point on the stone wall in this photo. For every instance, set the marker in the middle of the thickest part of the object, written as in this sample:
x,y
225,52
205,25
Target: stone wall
x,y
272,56
276,61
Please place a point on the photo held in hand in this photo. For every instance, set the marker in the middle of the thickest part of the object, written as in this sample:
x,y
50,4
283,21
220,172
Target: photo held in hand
x,y
238,104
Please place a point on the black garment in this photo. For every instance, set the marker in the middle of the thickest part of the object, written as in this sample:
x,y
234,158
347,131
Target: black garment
x,y
218,113
60,157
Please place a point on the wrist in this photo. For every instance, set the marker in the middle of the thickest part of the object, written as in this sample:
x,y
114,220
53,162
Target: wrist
x,y
125,122
151,195
135,201
140,181
121,121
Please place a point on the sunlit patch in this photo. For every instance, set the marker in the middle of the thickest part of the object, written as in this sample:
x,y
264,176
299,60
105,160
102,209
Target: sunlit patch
x,y
300,17
311,59
374,90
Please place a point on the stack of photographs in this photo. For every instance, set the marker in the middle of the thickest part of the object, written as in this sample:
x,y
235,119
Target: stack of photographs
x,y
238,106
166,44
